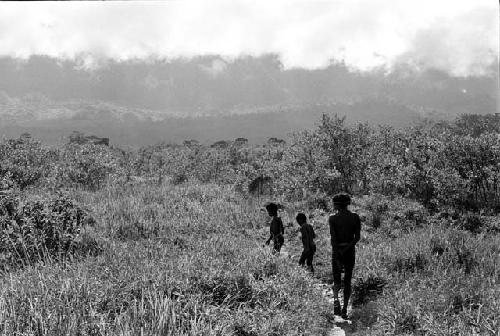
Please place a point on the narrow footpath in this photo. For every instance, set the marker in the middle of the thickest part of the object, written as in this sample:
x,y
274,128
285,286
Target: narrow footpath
x,y
327,293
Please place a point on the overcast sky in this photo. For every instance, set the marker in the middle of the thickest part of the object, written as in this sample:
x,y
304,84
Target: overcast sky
x,y
459,36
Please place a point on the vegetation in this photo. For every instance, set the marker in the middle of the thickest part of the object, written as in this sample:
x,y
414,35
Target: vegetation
x,y
167,240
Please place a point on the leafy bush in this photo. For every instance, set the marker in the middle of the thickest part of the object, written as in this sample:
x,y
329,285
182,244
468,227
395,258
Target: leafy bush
x,y
365,290
228,291
24,161
408,264
86,166
37,230
472,223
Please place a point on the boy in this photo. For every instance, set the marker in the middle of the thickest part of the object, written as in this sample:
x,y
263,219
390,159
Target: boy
x,y
276,228
308,235
345,228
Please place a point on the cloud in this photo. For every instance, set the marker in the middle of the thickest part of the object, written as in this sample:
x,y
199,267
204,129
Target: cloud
x,y
460,37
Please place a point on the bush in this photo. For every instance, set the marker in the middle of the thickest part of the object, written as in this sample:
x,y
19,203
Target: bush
x,y
437,246
409,264
407,323
86,166
24,161
37,230
136,230
471,223
179,178
365,290
229,291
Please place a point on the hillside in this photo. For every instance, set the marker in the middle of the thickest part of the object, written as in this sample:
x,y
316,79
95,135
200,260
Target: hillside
x,y
170,240
209,98
51,121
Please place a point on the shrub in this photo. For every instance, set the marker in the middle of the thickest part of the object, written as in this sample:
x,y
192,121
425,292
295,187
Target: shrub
x,y
471,223
136,230
376,221
459,302
179,178
407,323
225,290
86,166
241,331
365,290
24,161
437,246
318,203
409,264
35,230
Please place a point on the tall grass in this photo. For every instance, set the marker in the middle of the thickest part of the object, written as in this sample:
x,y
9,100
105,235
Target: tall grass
x,y
181,260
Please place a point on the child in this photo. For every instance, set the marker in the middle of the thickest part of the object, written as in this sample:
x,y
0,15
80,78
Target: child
x,y
308,235
345,229
276,228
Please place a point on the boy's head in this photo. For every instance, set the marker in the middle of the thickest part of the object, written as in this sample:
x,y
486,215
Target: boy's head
x,y
301,218
341,201
272,209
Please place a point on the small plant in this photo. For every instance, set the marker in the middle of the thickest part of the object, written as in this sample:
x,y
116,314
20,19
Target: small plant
x,y
406,323
136,230
179,179
465,260
318,203
376,221
472,223
227,291
365,290
458,302
437,246
242,331
409,264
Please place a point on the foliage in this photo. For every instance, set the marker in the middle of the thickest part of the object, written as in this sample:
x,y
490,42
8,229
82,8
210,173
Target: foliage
x,y
84,165
39,230
24,161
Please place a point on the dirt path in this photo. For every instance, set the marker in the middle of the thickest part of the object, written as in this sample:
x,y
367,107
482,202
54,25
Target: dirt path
x,y
339,323
327,292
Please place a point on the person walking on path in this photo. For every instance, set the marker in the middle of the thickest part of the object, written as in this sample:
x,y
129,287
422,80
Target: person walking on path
x,y
345,227
276,228
307,235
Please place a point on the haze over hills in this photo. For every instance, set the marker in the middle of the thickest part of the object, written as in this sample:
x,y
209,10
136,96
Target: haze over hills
x,y
210,98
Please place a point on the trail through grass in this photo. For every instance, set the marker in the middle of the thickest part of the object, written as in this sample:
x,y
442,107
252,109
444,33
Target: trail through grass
x,y
189,260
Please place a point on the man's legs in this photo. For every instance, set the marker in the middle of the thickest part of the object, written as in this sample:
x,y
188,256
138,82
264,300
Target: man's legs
x,y
347,286
336,284
349,267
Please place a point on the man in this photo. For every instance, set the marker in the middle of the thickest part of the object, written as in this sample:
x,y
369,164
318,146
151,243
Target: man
x,y
345,228
276,228
307,235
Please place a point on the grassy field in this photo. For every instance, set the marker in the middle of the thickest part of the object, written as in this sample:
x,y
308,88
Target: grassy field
x,y
189,260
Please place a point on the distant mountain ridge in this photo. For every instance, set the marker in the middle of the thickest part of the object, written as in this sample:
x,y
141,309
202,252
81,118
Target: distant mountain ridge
x,y
52,122
208,98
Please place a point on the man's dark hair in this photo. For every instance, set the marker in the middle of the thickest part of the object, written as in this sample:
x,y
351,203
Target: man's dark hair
x,y
272,208
301,217
342,200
